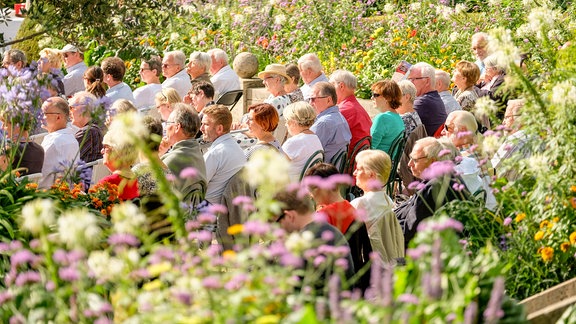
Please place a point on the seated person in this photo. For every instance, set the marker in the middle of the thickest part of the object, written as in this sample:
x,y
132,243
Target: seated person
x,y
426,200
372,172
342,215
89,135
28,156
297,216
118,157
262,121
388,125
200,95
150,70
303,142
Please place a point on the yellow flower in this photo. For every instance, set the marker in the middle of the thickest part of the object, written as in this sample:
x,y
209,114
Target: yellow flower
x,y
159,268
556,219
152,285
539,235
228,254
268,319
547,253
235,229
544,223
573,238
573,188
565,246
520,217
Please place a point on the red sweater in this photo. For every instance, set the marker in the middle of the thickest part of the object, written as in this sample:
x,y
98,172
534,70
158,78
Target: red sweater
x,y
127,188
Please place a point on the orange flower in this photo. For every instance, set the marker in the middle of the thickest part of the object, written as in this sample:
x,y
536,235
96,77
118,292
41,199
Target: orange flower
x,y
573,188
573,202
565,246
573,238
544,223
520,217
547,253
539,235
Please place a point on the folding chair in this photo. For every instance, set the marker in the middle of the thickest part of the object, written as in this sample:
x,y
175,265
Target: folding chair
x,y
340,160
315,158
230,98
395,152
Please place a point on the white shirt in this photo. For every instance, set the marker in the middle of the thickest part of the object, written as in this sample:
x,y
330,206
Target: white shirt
x,y
144,97
60,151
299,148
74,79
224,158
179,82
469,171
225,80
120,91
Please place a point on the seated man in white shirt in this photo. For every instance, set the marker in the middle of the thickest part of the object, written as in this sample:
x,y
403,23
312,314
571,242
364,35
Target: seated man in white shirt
x,y
114,70
174,70
311,73
224,157
60,146
223,77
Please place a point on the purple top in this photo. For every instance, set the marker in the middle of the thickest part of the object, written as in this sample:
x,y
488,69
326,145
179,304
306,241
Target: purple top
x,y
430,108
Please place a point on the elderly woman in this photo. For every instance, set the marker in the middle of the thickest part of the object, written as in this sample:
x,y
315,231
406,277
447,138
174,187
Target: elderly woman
x,y
165,98
387,125
303,142
150,71
275,77
119,107
406,110
372,172
465,76
118,156
93,81
292,87
83,106
50,62
199,66
262,121
492,84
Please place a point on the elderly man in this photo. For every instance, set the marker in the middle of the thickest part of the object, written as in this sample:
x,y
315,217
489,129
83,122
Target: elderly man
x,y
181,128
443,86
199,66
114,70
358,119
223,77
173,69
433,193
15,58
29,155
311,73
461,129
60,146
428,103
224,157
330,126
480,50
89,135
514,146
75,68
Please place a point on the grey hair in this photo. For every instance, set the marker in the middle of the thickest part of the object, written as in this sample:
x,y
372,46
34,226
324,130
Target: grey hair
x,y
491,61
443,77
300,112
84,98
218,55
482,36
464,118
187,117
178,56
430,146
15,56
203,58
310,61
346,77
426,70
450,150
408,88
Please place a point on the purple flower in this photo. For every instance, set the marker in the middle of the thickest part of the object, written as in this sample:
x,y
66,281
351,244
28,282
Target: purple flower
x,y
417,252
183,297
69,274
50,286
217,209
27,277
192,225
291,260
188,173
256,228
240,200
123,239
205,218
319,260
341,263
22,257
320,217
438,169
327,236
408,299
203,236
507,221
236,282
4,297
374,184
416,185
103,320
211,282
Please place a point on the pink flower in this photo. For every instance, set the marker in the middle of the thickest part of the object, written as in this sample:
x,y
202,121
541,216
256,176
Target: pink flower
x,y
205,218
27,277
188,173
507,221
211,282
438,169
239,200
69,274
408,298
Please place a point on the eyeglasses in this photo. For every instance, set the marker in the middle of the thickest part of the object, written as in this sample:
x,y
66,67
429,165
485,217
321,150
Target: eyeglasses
x,y
51,113
448,128
170,122
418,78
376,95
312,99
67,54
281,217
165,65
417,159
143,69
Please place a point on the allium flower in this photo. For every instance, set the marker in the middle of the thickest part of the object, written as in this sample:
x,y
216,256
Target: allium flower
x,y
78,228
37,215
189,172
502,44
104,267
127,218
69,274
408,298
123,239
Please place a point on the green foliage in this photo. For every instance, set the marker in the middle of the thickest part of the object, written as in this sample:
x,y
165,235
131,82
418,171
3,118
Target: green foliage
x,y
29,46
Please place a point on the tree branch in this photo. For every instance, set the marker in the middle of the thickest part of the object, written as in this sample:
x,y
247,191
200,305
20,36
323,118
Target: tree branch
x,y
23,39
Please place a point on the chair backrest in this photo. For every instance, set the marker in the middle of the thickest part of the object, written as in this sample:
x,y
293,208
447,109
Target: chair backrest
x,y
396,150
38,138
281,132
99,171
315,158
230,98
340,160
363,144
404,172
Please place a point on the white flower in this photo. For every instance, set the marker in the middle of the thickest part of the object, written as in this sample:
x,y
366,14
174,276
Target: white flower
x,y
127,128
249,11
460,8
105,267
564,93
494,3
238,18
454,36
37,215
415,6
280,19
538,164
485,107
500,43
78,228
127,218
174,36
299,242
222,11
491,144
389,8
268,168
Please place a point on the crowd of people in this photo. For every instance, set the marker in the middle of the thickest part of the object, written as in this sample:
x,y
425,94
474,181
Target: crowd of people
x,y
202,148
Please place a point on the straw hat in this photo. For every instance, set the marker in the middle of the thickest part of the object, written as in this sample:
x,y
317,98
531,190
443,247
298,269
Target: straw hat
x,y
278,69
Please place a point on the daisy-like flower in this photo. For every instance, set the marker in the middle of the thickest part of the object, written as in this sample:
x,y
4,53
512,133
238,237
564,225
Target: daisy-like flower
x,y
127,129
38,214
267,168
127,218
79,229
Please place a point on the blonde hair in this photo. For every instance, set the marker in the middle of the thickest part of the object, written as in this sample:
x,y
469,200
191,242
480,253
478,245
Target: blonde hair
x,y
53,56
300,112
168,95
122,153
376,161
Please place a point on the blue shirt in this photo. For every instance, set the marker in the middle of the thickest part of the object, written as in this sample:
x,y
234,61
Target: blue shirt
x,y
307,88
120,91
333,131
385,128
